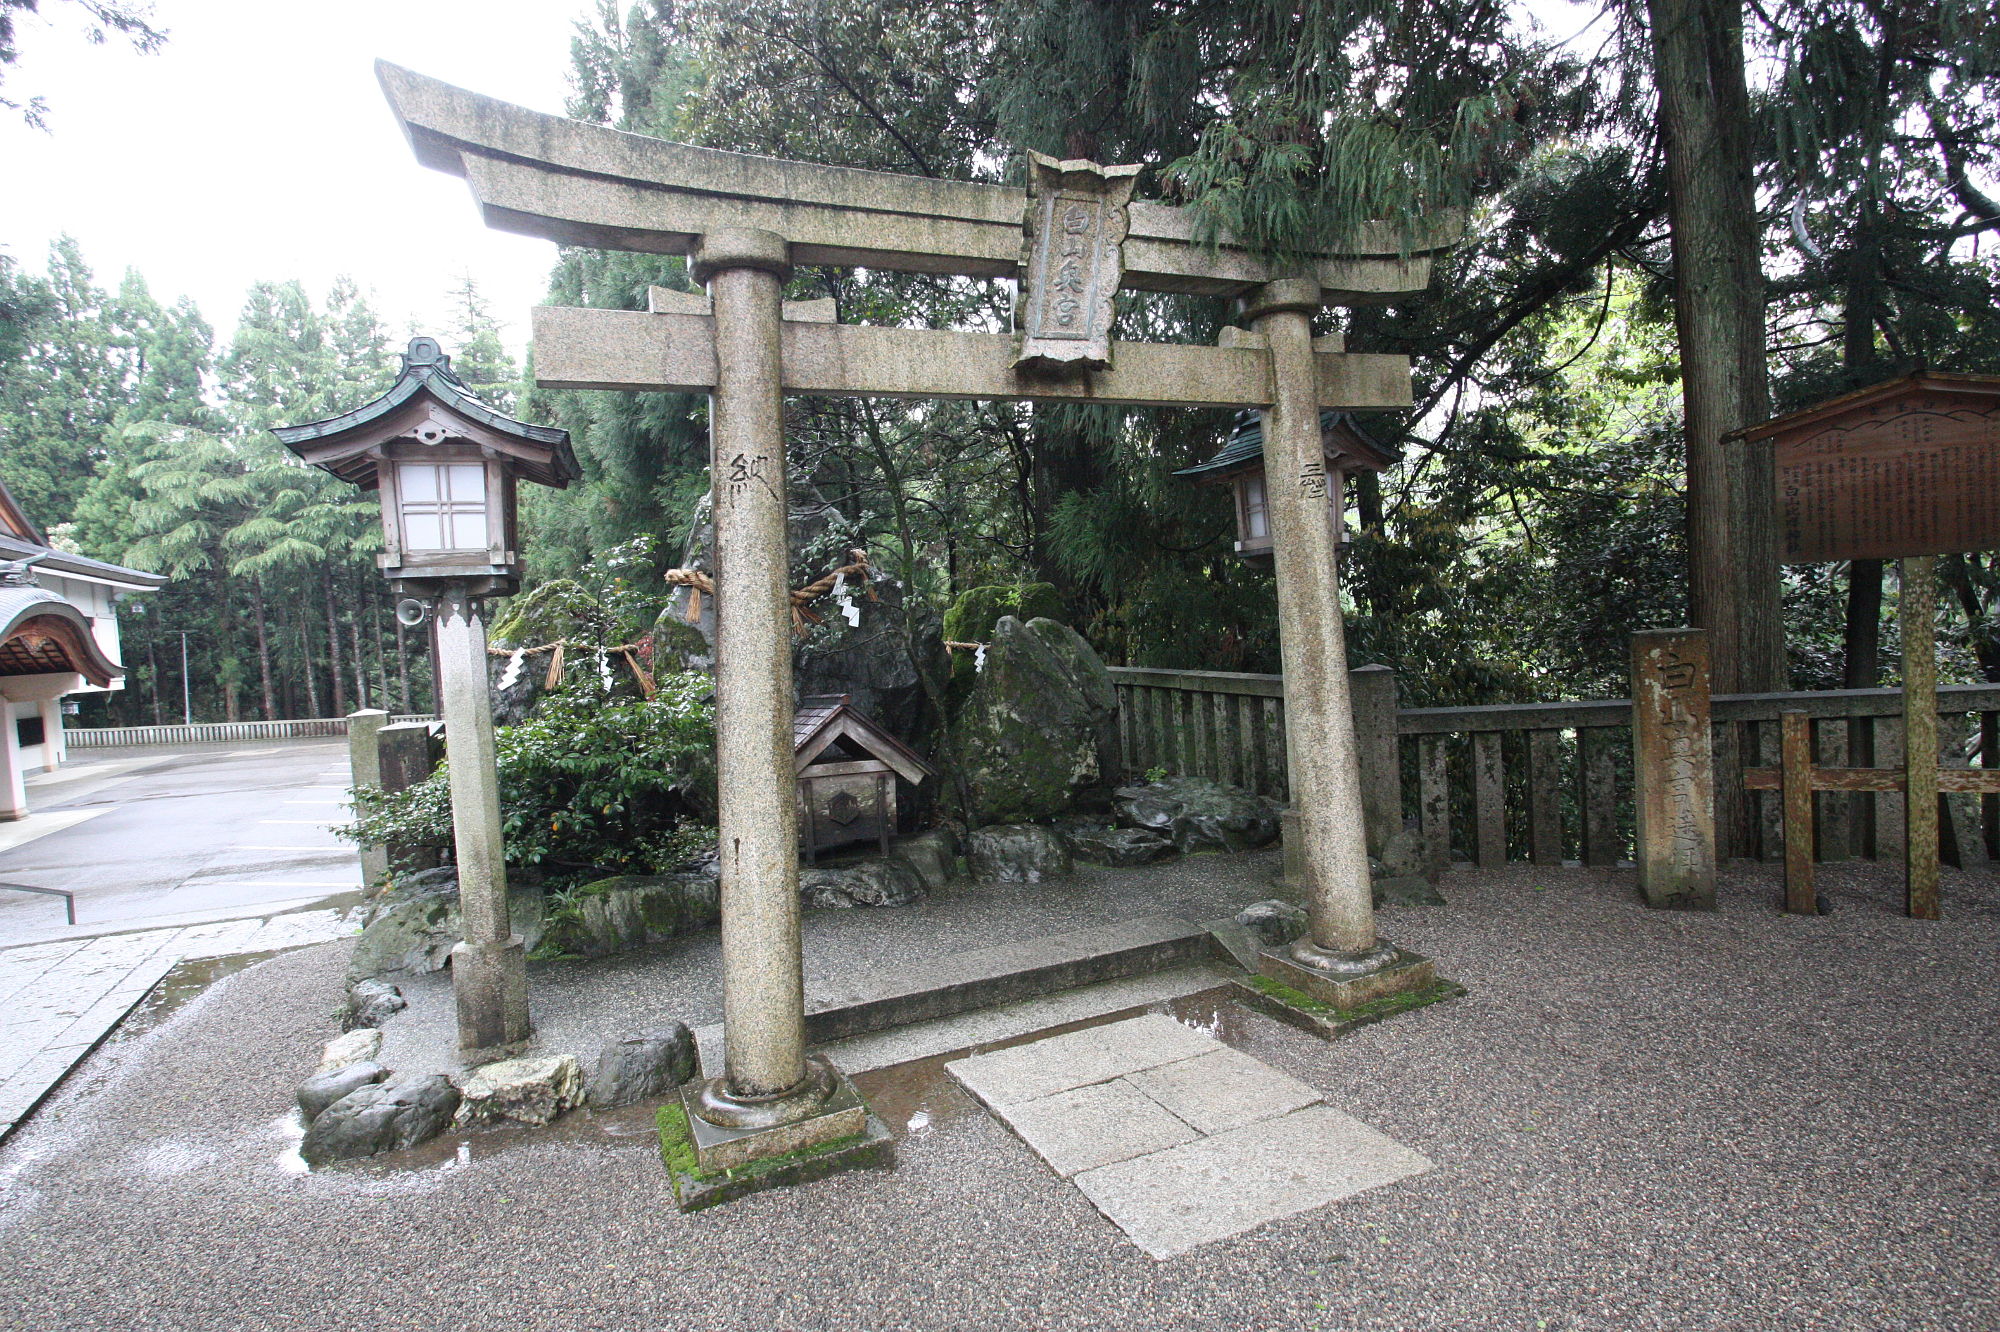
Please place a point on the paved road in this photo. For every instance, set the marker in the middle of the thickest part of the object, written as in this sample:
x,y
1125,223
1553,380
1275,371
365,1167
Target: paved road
x,y
148,838
172,854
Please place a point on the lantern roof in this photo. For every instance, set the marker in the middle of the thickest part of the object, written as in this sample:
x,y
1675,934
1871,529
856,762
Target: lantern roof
x,y
1346,440
428,404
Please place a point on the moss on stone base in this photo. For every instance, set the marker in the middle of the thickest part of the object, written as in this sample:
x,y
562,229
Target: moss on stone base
x,y
695,1189
1315,1014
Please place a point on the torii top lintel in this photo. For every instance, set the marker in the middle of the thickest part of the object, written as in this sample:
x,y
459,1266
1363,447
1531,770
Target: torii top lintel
x,y
582,184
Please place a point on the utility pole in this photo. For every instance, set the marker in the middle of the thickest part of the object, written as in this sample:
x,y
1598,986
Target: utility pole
x,y
187,691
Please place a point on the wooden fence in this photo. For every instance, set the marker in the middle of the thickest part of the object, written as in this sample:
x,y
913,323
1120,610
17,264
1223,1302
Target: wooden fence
x,y
208,733
1549,782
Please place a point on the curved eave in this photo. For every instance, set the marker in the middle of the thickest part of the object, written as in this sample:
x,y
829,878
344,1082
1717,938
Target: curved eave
x,y
373,422
62,624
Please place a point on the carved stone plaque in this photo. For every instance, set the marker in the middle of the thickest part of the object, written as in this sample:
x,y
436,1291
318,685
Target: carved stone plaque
x,y
1905,469
1075,233
1674,769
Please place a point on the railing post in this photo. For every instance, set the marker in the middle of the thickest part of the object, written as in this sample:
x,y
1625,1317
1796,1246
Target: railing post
x,y
364,758
1673,776
1374,692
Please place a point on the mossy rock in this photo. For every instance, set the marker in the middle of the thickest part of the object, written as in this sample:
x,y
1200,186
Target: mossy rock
x,y
1037,735
972,617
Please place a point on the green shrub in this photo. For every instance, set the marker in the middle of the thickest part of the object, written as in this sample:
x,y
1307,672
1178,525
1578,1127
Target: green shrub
x,y
586,784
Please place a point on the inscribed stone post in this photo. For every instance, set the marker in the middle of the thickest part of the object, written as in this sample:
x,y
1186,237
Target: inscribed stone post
x,y
1674,781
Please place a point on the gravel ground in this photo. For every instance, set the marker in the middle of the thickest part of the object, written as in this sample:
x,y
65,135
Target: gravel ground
x,y
1639,1120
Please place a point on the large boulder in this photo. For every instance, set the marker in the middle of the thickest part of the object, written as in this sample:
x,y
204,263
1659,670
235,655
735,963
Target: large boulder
x,y
869,661
1036,735
534,1090
412,928
641,1067
1118,847
1016,853
1196,814
879,882
380,1117
933,855
633,910
1274,921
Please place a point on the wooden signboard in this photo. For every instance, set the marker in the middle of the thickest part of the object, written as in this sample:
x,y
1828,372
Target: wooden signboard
x,y
1909,470
1909,467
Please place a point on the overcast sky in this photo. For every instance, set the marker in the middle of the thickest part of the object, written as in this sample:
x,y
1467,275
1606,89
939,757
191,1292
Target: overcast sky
x,y
256,145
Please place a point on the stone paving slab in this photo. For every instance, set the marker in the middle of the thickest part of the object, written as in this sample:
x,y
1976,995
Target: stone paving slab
x,y
1226,1183
1222,1090
1174,1136
1087,1127
1077,1058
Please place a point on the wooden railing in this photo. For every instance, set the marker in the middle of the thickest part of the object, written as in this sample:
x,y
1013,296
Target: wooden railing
x,y
208,733
1549,782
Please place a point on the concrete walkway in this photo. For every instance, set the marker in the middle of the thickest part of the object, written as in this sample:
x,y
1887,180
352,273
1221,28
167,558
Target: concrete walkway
x,y
1635,1120
59,1000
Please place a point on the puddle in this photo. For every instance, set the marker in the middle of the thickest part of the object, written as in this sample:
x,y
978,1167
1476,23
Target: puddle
x,y
181,986
627,1128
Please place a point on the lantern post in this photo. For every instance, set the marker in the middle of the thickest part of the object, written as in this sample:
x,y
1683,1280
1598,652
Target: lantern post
x,y
447,466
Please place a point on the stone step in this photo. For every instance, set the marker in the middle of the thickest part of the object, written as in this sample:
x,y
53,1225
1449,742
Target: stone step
x,y
961,982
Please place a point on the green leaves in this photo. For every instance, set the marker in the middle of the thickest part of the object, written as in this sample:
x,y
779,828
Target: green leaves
x,y
622,786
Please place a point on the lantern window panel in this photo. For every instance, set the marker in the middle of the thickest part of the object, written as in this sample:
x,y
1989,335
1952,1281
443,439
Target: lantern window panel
x,y
1256,510
443,506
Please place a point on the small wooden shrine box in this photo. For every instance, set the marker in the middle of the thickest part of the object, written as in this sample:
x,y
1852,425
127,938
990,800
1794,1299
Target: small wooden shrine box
x,y
847,769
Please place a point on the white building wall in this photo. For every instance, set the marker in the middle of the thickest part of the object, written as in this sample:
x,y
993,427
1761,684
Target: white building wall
x,y
99,603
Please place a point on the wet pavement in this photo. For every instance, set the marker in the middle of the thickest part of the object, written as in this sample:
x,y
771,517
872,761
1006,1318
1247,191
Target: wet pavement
x,y
1637,1121
195,853
153,836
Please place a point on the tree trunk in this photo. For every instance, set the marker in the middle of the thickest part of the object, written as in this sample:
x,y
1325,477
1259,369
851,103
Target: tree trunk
x,y
263,651
307,666
335,668
1719,318
355,657
1863,299
225,650
153,661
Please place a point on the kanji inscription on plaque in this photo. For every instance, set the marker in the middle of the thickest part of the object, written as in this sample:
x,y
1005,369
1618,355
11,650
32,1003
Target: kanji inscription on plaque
x,y
1907,468
1075,235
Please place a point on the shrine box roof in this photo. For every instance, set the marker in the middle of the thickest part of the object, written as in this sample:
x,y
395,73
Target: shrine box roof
x,y
825,720
1909,467
428,397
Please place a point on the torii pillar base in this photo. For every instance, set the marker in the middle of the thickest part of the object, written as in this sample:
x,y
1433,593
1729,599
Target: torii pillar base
x,y
1346,983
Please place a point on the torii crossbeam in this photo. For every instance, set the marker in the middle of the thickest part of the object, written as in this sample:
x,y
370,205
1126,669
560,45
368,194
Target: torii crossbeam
x,y
1072,238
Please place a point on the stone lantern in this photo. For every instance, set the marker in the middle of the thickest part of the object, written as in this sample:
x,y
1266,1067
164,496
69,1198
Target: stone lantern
x,y
446,465
1240,465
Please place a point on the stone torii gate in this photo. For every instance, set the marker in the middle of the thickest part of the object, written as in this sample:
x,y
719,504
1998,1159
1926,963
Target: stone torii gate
x,y
1073,238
